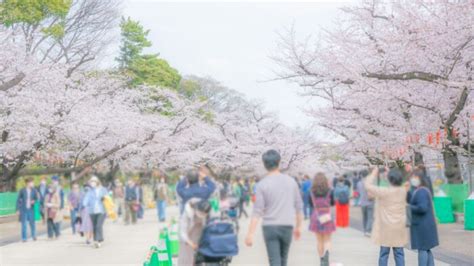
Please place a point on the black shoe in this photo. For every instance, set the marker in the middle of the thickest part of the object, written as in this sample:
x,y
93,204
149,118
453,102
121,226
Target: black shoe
x,y
325,259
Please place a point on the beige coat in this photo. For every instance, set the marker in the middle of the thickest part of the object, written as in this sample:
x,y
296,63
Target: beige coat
x,y
190,228
389,229
53,202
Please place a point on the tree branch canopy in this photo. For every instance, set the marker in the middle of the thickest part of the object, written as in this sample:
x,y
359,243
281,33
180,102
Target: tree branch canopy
x,y
414,75
13,82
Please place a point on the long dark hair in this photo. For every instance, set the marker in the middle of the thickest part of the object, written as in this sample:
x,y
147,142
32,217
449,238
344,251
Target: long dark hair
x,y
320,186
423,177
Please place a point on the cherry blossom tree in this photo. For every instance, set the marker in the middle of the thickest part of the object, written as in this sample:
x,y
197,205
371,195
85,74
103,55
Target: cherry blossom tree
x,y
387,71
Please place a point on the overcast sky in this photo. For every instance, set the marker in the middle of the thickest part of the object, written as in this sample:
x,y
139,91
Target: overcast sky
x,y
232,42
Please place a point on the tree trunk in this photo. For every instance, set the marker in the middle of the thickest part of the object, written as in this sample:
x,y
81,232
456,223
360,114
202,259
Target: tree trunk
x,y
113,170
7,184
8,178
451,166
418,158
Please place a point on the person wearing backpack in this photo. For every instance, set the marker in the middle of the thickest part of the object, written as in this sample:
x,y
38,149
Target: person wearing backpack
x,y
423,230
342,198
161,197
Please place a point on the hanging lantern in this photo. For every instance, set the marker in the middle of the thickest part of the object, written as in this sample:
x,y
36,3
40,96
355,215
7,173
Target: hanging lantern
x,y
438,137
430,139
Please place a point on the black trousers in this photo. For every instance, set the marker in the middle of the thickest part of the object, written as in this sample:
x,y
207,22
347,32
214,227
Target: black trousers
x,y
278,240
98,226
54,229
242,209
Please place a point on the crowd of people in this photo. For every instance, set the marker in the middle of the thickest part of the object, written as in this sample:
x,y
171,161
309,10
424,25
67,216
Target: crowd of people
x,y
88,207
395,216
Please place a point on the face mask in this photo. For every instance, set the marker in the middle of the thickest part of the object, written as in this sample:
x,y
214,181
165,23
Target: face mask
x,y
50,190
415,182
93,184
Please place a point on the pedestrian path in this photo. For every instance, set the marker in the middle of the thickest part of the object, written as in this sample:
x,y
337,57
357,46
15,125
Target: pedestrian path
x,y
350,248
128,245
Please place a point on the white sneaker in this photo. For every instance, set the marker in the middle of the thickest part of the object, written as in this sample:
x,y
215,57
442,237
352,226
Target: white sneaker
x,y
96,244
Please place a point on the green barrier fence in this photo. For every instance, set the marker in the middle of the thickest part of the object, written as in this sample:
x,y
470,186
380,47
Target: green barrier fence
x,y
444,210
458,193
8,203
469,214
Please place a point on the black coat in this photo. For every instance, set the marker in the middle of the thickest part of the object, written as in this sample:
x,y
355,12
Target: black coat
x,y
423,230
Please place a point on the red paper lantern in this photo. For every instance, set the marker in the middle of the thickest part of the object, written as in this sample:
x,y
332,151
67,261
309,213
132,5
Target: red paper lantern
x,y
430,138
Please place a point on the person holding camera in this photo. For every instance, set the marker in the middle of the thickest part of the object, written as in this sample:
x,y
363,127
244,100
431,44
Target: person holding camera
x,y
389,229
195,185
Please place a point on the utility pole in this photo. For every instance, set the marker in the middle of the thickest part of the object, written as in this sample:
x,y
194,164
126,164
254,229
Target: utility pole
x,y
469,161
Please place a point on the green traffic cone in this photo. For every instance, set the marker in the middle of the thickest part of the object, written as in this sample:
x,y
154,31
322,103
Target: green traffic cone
x,y
162,249
174,239
154,259
148,260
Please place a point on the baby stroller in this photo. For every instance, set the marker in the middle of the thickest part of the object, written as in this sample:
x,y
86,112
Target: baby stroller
x,y
218,243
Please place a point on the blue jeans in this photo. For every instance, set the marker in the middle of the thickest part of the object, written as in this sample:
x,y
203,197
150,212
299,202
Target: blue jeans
x,y
397,252
73,213
161,208
28,216
307,209
425,258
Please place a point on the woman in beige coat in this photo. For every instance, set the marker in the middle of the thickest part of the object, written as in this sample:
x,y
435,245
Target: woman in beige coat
x,y
53,211
389,229
191,225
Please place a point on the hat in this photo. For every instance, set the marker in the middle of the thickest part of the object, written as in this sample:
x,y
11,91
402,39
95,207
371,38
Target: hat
x,y
55,178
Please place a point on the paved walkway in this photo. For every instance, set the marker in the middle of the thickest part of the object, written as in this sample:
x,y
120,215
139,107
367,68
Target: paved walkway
x,y
128,245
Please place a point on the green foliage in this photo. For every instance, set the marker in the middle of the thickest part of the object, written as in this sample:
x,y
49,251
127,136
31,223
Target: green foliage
x,y
142,68
134,40
165,106
56,31
206,115
188,88
151,70
32,11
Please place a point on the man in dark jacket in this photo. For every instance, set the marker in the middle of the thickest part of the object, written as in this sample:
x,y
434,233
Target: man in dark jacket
x,y
195,185
27,198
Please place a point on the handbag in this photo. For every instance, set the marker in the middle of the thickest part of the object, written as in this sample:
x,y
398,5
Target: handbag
x,y
325,218
140,212
408,214
135,207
